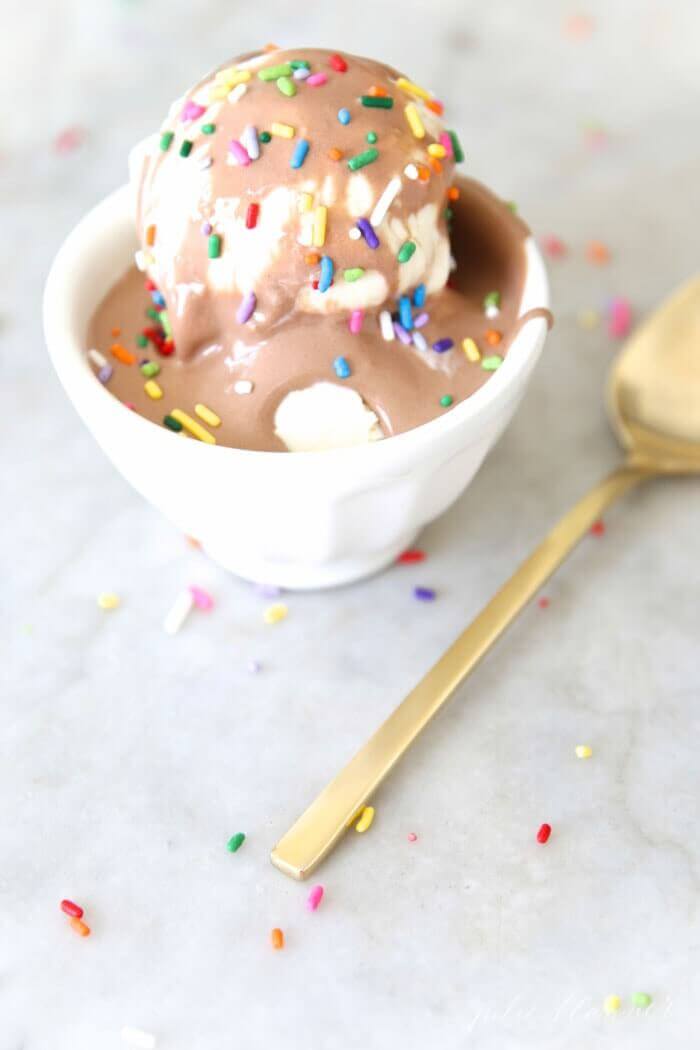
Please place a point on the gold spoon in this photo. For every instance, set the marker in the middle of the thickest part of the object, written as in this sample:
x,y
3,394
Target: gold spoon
x,y
653,399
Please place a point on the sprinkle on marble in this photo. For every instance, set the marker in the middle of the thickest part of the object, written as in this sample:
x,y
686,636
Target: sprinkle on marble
x,y
424,594
108,600
544,832
412,837
275,613
315,897
72,909
611,1004
366,816
277,939
543,602
69,139
235,842
641,1000
181,609
619,317
598,528
597,253
202,599
411,556
253,666
553,246
80,927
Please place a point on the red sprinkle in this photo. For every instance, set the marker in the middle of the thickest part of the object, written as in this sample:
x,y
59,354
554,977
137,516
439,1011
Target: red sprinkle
x,y
72,909
598,528
251,217
409,557
166,348
553,246
544,833
543,603
338,63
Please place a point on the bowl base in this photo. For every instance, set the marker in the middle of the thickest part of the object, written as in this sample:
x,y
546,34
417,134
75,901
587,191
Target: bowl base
x,y
309,576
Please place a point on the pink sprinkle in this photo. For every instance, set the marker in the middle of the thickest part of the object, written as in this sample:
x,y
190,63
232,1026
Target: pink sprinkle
x,y
315,897
446,141
412,837
317,79
553,246
191,110
402,334
239,153
421,320
202,599
543,602
619,318
356,319
207,227
68,140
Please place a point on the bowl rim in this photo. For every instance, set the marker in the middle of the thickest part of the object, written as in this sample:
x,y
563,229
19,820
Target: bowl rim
x,y
66,348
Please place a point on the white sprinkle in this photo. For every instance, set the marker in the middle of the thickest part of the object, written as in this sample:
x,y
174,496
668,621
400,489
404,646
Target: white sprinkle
x,y
140,260
453,263
382,206
137,1037
249,140
237,92
301,73
411,172
354,234
243,386
97,358
179,612
419,341
492,311
387,325
204,163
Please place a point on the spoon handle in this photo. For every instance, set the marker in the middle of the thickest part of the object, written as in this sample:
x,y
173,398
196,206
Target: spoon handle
x,y
321,826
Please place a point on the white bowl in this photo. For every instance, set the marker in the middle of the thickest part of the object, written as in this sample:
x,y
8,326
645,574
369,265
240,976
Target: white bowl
x,y
299,520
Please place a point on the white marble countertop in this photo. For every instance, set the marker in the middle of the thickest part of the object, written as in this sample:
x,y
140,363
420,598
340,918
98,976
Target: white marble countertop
x,y
129,757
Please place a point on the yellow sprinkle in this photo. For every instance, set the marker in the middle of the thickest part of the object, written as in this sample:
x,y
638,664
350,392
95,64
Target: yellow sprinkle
x,y
471,350
366,818
275,613
583,751
108,600
435,149
283,131
305,201
232,76
320,220
193,426
153,390
207,415
218,91
412,89
414,121
611,1004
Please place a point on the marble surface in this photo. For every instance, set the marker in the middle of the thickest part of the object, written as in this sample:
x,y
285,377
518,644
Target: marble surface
x,y
129,757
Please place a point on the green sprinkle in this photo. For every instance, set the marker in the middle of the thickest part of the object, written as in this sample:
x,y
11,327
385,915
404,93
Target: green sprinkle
x,y
185,148
353,274
287,86
214,246
377,101
406,251
512,206
641,999
165,322
174,424
490,364
372,136
141,340
166,139
446,401
275,72
208,129
235,842
300,63
449,214
264,136
456,147
153,314
150,369
361,160
492,299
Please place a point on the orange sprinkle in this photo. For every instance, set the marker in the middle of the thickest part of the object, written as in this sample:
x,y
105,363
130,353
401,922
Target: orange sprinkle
x,y
492,336
435,106
423,172
376,91
150,235
335,153
122,354
271,47
435,164
192,542
277,938
79,926
116,332
312,258
597,253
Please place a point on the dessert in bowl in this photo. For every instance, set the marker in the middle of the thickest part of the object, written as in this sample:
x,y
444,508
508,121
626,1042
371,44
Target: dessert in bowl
x,y
309,331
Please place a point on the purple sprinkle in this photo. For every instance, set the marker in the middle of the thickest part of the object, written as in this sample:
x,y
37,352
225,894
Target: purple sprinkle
x,y
367,230
245,310
105,373
253,666
191,110
424,594
268,590
402,333
239,153
207,228
442,345
422,319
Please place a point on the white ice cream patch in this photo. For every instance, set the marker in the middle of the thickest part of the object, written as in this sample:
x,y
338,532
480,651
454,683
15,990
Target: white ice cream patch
x,y
325,416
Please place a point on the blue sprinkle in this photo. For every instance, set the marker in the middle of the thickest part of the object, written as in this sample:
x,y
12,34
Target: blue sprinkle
x,y
424,594
419,296
442,345
344,115
405,315
341,368
326,278
158,298
299,154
